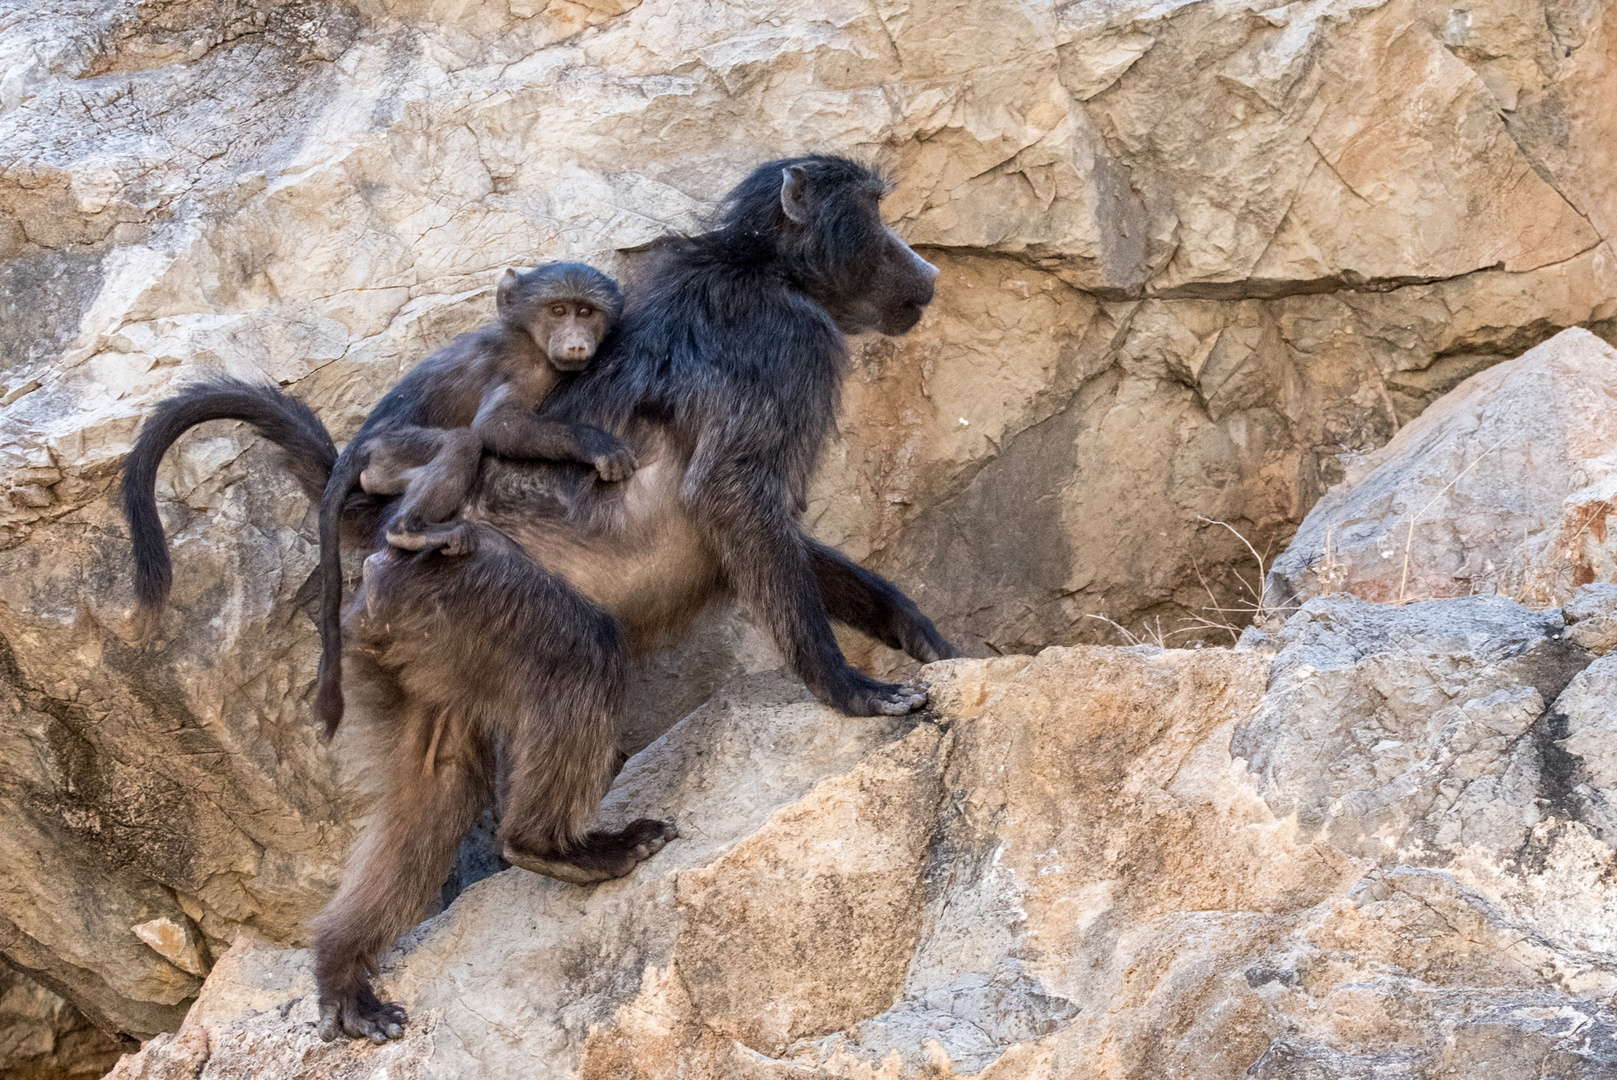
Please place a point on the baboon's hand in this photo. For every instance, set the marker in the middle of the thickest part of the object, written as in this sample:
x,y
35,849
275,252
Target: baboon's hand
x,y
359,1014
860,695
616,464
612,460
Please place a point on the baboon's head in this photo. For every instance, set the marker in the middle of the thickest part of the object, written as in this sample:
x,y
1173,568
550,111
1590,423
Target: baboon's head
x,y
567,308
823,214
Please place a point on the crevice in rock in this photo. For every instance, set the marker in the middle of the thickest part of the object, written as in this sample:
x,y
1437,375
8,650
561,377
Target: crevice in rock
x,y
1559,771
1508,121
1347,281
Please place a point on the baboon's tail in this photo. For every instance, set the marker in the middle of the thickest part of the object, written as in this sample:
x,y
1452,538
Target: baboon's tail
x,y
284,421
343,478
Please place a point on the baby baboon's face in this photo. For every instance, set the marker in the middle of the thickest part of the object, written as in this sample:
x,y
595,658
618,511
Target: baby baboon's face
x,y
566,307
569,330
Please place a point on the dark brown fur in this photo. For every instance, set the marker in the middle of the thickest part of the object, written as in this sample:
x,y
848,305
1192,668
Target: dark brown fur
x,y
724,383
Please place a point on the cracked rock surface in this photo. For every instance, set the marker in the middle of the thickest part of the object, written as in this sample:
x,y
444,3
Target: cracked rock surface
x,y
1376,844
1191,253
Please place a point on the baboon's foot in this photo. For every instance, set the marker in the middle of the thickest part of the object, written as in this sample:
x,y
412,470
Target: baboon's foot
x,y
618,465
453,539
600,856
864,696
374,481
357,1012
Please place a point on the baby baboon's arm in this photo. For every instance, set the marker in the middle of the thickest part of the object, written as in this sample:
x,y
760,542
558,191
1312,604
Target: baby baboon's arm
x,y
509,427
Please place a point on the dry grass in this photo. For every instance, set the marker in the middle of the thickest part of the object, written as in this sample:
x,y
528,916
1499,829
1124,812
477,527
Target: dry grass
x,y
1260,610
1148,635
1216,616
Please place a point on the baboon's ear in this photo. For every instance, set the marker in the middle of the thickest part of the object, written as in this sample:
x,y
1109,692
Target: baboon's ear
x,y
794,193
505,292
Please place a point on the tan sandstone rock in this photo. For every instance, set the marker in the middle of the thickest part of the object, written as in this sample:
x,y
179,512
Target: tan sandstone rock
x,y
1191,253
42,1037
1504,486
1383,852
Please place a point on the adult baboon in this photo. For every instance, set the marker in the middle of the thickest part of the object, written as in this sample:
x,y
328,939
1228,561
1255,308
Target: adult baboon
x,y
723,381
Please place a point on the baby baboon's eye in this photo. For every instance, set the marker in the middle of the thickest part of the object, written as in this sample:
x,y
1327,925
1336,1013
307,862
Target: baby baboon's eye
x,y
559,310
585,311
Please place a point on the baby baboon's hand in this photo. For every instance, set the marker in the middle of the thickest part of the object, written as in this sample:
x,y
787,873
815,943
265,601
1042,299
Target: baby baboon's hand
x,y
616,464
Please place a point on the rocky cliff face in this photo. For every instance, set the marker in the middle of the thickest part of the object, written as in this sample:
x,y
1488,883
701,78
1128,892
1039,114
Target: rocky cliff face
x,y
1375,844
43,1037
1191,253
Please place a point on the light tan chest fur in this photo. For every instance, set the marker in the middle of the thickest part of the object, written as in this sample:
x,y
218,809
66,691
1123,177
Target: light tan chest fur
x,y
631,548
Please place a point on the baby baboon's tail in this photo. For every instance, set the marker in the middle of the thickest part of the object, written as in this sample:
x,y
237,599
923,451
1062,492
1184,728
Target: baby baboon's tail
x,y
284,421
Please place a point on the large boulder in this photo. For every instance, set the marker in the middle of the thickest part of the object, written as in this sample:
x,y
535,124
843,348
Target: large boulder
x,y
1502,487
1191,253
1377,844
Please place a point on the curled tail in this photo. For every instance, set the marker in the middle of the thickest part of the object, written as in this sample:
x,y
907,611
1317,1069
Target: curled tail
x,y
284,421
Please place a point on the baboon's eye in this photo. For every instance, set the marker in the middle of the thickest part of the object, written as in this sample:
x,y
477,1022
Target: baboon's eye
x,y
585,311
559,310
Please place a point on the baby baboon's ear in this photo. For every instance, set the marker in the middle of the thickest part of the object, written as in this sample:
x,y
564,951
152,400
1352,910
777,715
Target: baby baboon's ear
x,y
505,293
794,182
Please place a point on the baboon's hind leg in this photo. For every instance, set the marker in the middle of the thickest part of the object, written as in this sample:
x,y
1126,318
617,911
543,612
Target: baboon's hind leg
x,y
434,781
563,745
434,496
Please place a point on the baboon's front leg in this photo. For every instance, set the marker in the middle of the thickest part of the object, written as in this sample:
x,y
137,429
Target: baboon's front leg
x,y
746,515
873,605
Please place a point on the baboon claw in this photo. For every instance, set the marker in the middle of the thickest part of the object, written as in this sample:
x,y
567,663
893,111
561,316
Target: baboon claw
x,y
617,466
375,1020
887,699
452,541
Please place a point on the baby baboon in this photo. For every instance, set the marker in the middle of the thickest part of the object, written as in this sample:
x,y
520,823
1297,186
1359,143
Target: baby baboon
x,y
566,310
478,393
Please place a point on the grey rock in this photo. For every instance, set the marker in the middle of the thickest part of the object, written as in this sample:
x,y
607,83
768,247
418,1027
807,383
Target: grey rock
x,y
1592,613
1364,856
